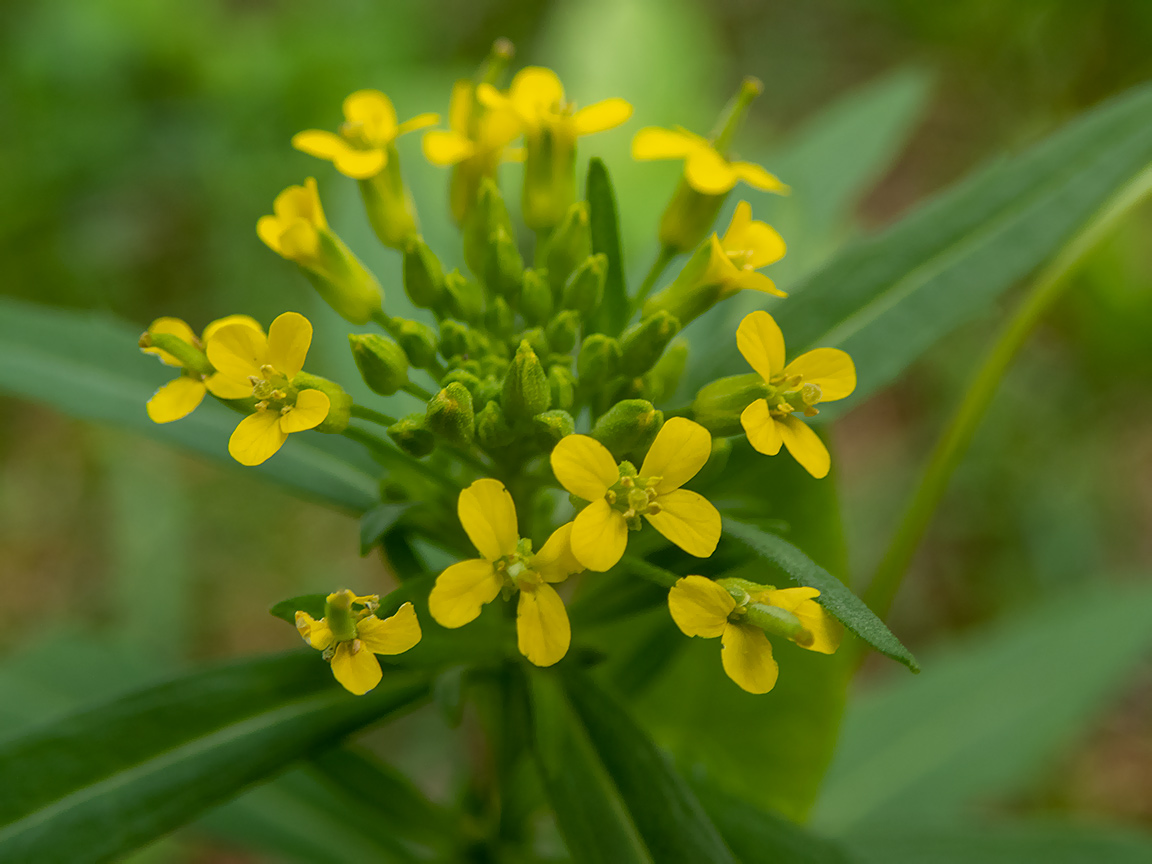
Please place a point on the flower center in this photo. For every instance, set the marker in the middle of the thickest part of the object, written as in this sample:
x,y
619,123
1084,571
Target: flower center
x,y
633,496
515,570
273,391
789,395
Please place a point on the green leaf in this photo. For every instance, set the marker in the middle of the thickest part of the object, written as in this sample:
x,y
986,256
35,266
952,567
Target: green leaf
x,y
377,522
102,782
994,709
835,596
313,604
604,223
889,298
88,366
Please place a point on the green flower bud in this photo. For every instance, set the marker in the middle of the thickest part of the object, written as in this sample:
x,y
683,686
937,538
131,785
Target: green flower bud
x,y
562,331
492,430
664,378
423,275
642,344
382,363
340,410
585,288
628,427
411,436
499,318
568,246
418,341
489,389
457,339
389,204
189,355
718,405
599,360
526,392
492,366
692,293
450,416
503,265
536,338
465,297
470,382
563,387
550,426
536,296
481,223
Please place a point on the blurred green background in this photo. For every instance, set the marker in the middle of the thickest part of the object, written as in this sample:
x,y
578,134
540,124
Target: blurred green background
x,y
141,140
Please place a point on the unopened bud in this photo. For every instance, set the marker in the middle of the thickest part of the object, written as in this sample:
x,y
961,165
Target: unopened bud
x,y
585,288
536,339
718,405
562,331
411,436
481,223
568,246
187,355
470,382
642,344
526,392
500,318
628,427
664,378
382,363
418,341
389,204
423,275
492,429
551,426
450,415
339,402
563,387
536,296
457,339
599,360
465,297
503,265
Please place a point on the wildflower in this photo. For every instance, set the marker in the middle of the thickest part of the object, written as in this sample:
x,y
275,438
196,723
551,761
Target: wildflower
x,y
507,564
619,495
366,138
551,126
299,232
351,636
821,375
740,612
267,366
180,396
706,169
722,267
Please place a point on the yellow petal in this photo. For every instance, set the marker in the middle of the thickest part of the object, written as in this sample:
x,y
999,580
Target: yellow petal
x,y
361,164
461,591
760,341
460,105
356,668
535,91
750,280
315,633
238,351
488,515
178,398
393,635
171,327
420,121
318,143
700,607
708,172
747,658
680,450
497,128
555,561
446,148
300,202
831,368
269,229
601,116
758,178
299,241
289,338
826,630
223,387
257,438
746,234
761,428
246,320
543,633
490,97
599,536
311,407
720,269
652,142
805,446
375,114
584,466
689,520
515,154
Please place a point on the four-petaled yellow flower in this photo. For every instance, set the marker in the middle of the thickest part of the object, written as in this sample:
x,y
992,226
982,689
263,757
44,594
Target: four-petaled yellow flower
x,y
705,168
747,245
267,365
474,131
821,375
350,637
180,396
701,607
361,148
620,495
488,515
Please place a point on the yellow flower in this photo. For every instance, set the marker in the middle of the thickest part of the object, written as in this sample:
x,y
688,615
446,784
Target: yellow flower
x,y
822,375
620,495
701,607
361,149
507,564
294,231
350,637
705,168
747,246
266,367
180,396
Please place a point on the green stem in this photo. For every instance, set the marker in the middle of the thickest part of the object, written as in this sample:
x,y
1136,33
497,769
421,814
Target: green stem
x,y
417,391
662,577
372,416
667,253
953,443
380,446
387,323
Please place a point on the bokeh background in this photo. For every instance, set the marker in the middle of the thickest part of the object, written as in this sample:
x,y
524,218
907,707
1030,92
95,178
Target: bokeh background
x,y
141,140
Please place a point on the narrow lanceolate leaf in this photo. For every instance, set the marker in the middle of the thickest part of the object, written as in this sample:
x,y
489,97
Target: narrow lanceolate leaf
x,y
102,782
887,299
604,222
835,596
313,604
88,366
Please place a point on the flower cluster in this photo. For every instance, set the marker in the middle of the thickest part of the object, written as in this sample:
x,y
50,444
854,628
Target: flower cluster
x,y
516,352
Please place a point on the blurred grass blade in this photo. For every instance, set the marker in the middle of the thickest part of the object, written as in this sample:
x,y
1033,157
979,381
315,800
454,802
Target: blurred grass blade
x,y
604,222
835,596
889,298
102,782
89,367
995,707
